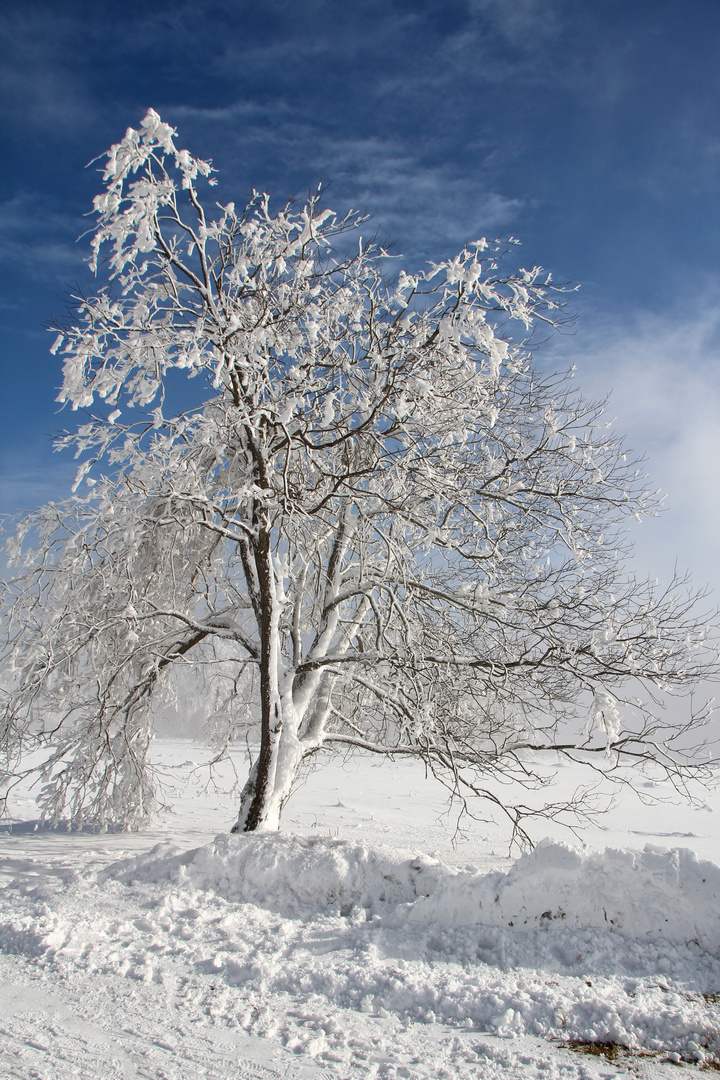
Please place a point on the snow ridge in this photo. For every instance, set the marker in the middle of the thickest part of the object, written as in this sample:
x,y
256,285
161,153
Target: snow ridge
x,y
654,893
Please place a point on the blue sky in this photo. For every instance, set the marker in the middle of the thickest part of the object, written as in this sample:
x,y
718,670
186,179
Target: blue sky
x,y
589,129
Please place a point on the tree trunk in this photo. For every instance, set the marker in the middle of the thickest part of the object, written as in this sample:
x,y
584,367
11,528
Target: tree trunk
x,y
274,770
271,778
282,712
258,791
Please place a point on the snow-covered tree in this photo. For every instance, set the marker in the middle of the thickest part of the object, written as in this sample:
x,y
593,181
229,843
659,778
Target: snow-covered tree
x,y
368,523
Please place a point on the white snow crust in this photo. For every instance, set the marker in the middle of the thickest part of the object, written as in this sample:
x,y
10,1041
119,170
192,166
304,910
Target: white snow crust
x,y
316,955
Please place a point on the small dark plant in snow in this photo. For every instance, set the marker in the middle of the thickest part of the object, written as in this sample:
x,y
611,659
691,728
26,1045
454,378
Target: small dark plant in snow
x,y
371,524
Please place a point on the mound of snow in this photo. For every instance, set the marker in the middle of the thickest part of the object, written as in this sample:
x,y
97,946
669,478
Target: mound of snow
x,y
656,892
661,893
292,874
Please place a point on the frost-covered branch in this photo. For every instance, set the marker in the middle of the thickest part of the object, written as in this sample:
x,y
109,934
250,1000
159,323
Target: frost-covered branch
x,y
370,523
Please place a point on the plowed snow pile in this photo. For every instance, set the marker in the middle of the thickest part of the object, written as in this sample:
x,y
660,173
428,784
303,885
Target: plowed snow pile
x,y
648,894
654,893
308,939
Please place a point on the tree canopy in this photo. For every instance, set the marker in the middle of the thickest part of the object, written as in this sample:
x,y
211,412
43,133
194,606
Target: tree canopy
x,y
370,523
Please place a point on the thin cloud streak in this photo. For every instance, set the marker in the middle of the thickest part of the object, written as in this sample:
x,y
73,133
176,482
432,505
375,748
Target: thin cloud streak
x,y
34,477
41,78
384,175
35,236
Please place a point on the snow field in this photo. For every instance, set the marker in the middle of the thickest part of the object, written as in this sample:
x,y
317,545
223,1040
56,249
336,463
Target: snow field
x,y
300,935
329,951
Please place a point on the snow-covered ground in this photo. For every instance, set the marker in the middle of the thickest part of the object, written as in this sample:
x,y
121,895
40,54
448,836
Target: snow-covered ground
x,y
368,939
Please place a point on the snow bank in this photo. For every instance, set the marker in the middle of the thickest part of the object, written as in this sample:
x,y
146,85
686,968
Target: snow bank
x,y
293,875
654,893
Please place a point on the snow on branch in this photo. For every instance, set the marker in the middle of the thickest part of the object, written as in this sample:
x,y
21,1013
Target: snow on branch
x,y
370,498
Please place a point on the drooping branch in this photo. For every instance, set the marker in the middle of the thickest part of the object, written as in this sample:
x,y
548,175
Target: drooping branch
x,y
414,540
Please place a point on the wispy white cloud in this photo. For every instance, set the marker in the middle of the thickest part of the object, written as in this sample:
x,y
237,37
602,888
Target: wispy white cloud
x,y
322,32
663,376
416,197
443,206
527,23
